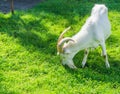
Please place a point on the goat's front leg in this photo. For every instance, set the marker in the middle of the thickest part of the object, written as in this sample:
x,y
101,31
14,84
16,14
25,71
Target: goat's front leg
x,y
85,57
71,64
104,53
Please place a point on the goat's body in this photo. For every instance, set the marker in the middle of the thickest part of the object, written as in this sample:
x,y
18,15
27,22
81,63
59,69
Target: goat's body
x,y
89,37
93,33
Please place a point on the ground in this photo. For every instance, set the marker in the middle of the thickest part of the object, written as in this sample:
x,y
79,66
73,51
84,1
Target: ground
x,y
28,57
18,4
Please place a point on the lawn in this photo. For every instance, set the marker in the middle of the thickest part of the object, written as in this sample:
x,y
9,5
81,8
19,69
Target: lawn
x,y
28,60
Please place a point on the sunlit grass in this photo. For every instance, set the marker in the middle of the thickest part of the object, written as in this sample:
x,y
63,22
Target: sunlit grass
x,y
28,60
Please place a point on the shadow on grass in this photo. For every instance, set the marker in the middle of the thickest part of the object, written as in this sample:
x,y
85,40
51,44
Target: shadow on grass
x,y
27,38
65,8
96,71
30,34
68,9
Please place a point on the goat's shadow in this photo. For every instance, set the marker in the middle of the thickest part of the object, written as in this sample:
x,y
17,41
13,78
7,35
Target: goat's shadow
x,y
96,70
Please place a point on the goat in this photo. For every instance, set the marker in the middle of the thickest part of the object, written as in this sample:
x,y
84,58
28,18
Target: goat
x,y
93,33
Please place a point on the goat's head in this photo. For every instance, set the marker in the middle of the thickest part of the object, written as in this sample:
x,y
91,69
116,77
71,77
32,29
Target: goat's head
x,y
99,10
63,46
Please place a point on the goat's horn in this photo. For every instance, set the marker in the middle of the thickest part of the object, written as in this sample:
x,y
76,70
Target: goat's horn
x,y
61,37
59,46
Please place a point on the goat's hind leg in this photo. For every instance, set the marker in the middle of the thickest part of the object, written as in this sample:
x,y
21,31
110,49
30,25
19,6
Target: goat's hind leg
x,y
85,57
104,54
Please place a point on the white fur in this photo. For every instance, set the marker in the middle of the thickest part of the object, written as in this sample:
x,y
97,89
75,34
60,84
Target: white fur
x,y
93,33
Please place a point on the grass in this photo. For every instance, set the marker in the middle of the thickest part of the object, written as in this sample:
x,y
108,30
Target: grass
x,y
28,60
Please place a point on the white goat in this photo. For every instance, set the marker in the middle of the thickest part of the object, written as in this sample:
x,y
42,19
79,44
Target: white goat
x,y
93,33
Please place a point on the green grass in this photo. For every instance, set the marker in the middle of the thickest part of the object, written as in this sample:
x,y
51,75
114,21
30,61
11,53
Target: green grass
x,y
28,60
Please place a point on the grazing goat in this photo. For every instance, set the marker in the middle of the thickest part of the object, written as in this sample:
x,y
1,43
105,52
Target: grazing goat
x,y
93,33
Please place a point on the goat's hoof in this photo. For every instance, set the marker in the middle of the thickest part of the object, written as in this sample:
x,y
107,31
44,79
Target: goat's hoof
x,y
107,66
83,64
72,66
